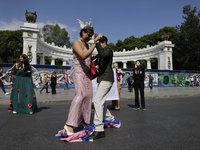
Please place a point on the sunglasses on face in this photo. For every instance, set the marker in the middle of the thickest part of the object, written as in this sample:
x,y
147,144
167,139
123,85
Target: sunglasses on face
x,y
89,35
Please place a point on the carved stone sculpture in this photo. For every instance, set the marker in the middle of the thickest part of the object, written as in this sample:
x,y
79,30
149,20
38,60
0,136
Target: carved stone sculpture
x,y
31,17
169,63
29,53
82,25
165,37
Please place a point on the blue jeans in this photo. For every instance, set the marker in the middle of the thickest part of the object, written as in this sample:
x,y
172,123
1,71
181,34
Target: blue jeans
x,y
2,87
150,85
66,85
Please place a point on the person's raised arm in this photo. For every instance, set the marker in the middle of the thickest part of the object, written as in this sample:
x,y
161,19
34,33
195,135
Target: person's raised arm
x,y
104,52
79,50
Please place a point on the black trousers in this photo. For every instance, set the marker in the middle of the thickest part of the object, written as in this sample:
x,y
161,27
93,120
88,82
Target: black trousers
x,y
130,86
139,85
53,88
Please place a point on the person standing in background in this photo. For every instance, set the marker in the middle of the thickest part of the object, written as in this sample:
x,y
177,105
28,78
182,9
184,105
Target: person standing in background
x,y
192,81
1,82
23,98
115,103
45,84
66,82
150,81
53,82
138,76
130,83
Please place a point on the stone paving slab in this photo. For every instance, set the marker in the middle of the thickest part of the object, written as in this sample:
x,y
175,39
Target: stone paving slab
x,y
66,96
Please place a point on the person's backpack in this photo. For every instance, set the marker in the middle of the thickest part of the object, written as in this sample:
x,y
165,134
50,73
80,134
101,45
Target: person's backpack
x,y
128,80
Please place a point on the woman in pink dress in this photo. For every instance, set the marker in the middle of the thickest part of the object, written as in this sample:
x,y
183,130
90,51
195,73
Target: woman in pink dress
x,y
80,109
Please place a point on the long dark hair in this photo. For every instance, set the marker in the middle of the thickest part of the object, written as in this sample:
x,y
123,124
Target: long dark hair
x,y
25,62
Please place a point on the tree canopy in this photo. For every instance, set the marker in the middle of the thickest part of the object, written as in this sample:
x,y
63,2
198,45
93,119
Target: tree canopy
x,y
186,37
57,35
11,46
53,33
130,43
188,44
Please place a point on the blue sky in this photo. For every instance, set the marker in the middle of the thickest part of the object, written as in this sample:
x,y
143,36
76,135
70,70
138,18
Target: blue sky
x,y
116,19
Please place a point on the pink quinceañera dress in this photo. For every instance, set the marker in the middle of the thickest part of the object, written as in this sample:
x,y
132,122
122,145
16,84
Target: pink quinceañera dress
x,y
80,109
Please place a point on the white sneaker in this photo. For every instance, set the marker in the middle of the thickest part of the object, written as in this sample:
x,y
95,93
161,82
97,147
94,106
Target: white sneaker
x,y
7,93
14,112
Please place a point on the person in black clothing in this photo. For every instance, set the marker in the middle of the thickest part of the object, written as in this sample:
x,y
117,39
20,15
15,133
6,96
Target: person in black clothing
x,y
138,76
53,82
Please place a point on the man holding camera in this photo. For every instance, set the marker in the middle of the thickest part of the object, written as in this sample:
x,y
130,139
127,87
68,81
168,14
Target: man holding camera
x,y
138,76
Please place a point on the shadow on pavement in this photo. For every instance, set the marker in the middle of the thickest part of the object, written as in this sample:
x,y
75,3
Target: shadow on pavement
x,y
131,105
41,108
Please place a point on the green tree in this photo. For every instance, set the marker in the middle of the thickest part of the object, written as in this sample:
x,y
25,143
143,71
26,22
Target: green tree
x,y
58,61
188,46
112,45
119,46
57,35
11,46
130,43
47,60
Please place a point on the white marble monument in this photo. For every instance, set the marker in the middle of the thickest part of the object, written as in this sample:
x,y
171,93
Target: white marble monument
x,y
33,45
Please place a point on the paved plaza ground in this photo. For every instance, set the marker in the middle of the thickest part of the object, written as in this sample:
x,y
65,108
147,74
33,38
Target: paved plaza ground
x,y
171,123
66,96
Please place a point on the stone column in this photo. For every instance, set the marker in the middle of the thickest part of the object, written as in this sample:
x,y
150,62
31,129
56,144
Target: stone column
x,y
148,63
53,61
124,64
30,35
165,56
42,60
64,62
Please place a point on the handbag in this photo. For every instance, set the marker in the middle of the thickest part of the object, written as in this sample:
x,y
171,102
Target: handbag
x,y
93,71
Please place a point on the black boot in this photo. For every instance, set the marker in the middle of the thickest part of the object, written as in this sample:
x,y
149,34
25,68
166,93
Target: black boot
x,y
96,135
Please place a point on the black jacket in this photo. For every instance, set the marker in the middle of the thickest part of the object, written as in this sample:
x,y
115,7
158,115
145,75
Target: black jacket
x,y
140,76
105,64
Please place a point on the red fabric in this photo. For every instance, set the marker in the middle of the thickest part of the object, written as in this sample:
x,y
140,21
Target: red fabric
x,y
93,71
29,105
10,109
66,78
10,102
